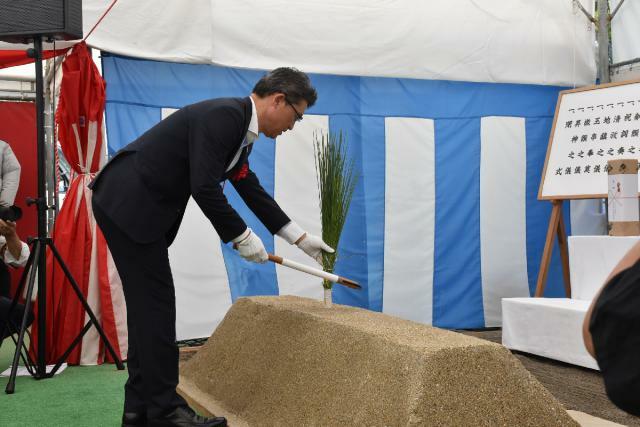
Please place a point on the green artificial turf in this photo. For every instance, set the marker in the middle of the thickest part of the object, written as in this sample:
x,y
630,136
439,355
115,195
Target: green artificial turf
x,y
79,396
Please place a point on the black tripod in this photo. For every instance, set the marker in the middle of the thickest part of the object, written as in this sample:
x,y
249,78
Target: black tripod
x,y
38,259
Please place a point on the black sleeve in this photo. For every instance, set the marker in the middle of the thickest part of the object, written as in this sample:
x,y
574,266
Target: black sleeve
x,y
615,330
260,202
210,138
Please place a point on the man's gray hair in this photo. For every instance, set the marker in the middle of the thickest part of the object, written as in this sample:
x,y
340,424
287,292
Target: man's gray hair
x,y
293,83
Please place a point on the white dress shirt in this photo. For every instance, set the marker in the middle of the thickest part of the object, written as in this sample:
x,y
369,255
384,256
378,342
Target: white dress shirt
x,y
250,137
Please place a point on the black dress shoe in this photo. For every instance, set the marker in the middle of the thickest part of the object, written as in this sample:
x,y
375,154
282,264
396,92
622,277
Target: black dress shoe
x,y
134,419
183,416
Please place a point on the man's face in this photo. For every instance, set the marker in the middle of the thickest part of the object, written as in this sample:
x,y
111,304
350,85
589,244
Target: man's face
x,y
281,115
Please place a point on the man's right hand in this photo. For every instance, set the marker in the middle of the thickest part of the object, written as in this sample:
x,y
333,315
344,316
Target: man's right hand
x,y
250,247
7,229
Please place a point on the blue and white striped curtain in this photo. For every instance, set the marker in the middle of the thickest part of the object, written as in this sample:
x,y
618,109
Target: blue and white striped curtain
x,y
444,221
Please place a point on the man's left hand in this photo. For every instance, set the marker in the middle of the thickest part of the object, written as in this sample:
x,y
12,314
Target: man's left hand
x,y
313,246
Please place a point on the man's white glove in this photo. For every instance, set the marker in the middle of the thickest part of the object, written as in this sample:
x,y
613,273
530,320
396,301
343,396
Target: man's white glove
x,y
310,244
250,247
313,246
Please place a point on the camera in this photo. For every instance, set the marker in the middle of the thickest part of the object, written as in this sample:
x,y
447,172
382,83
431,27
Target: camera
x,y
10,213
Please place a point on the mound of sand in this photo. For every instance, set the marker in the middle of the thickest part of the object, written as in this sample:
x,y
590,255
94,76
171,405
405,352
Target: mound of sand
x,y
291,361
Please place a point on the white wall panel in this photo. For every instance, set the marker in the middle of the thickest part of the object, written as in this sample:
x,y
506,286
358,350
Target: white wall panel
x,y
503,225
409,218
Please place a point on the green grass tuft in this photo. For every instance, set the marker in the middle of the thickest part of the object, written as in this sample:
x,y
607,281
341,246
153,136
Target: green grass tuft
x,y
336,182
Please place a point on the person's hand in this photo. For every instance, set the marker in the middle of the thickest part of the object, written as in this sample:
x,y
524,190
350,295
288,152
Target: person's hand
x,y
313,246
250,247
7,228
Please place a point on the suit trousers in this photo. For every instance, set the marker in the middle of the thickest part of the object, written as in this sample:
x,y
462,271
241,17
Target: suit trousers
x,y
152,360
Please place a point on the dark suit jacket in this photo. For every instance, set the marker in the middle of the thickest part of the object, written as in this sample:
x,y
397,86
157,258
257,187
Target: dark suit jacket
x,y
145,188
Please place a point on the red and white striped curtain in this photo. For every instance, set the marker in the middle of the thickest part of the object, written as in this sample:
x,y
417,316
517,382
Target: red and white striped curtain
x,y
76,235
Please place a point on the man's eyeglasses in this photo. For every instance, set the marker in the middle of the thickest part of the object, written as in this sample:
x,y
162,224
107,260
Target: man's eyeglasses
x,y
298,115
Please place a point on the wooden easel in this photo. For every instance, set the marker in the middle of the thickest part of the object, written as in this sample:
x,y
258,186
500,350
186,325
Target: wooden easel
x,y
556,228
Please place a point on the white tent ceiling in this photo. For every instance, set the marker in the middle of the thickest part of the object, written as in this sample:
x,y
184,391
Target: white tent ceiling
x,y
546,42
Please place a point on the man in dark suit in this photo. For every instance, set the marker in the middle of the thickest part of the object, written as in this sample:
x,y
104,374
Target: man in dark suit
x,y
139,199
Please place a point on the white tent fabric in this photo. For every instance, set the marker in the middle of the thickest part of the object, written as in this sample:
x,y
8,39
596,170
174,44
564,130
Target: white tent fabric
x,y
625,37
546,42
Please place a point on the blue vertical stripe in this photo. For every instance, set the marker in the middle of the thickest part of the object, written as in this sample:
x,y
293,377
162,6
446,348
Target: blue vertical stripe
x,y
457,282
373,183
127,122
352,250
248,278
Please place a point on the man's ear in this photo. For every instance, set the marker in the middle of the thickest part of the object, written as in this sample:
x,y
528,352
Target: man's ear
x,y
278,98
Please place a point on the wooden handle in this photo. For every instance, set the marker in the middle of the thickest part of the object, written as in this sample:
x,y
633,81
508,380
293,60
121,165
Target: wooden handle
x,y
349,283
275,258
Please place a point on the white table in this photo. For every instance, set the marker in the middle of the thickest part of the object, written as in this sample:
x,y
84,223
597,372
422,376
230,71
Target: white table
x,y
552,327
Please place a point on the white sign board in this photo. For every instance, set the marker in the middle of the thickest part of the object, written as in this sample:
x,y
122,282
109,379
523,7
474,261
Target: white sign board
x,y
592,125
